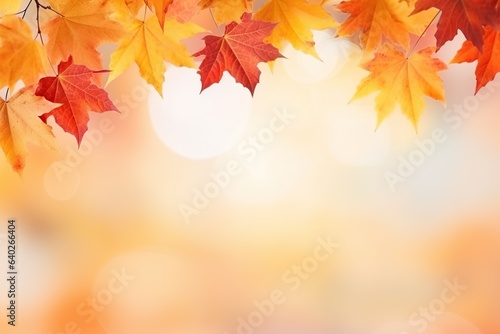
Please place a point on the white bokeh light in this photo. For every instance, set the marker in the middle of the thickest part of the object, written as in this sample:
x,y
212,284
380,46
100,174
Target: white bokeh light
x,y
354,140
334,55
199,126
272,176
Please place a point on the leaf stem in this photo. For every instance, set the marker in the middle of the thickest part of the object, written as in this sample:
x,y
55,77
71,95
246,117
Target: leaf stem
x,y
422,35
213,18
7,94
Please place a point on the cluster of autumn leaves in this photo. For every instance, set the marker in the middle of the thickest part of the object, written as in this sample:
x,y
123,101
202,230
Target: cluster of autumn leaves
x,y
69,39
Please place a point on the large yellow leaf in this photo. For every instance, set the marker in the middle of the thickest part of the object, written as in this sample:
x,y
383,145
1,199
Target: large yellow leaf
x,y
23,58
9,6
150,47
295,20
379,19
83,27
402,81
226,11
19,123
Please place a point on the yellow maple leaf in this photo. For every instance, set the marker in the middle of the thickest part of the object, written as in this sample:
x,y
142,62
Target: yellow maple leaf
x,y
83,27
226,11
402,81
379,19
295,20
149,47
123,10
23,58
20,123
9,6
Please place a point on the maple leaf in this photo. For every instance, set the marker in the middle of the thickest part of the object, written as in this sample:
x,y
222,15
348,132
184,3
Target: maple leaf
x,y
494,16
76,93
183,10
9,6
160,8
23,58
488,64
295,19
239,52
132,5
377,20
149,47
402,80
226,11
20,123
465,15
83,27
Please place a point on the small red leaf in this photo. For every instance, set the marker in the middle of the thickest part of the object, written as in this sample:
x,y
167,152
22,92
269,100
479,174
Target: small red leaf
x,y
74,89
239,52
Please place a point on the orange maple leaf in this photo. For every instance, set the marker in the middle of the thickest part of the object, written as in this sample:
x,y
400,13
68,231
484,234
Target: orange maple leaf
x,y
23,58
20,123
160,7
183,10
76,93
488,64
295,19
83,26
402,80
377,20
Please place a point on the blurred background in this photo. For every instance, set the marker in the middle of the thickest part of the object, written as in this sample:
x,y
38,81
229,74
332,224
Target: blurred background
x,y
213,212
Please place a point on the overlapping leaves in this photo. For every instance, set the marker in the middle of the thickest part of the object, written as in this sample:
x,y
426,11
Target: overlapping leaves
x,y
59,58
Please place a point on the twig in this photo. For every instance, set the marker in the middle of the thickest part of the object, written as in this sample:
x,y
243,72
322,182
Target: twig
x,y
24,10
422,35
39,5
39,33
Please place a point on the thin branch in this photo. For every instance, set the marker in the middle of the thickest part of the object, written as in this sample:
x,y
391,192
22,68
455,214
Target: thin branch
x,y
213,18
7,94
24,10
39,33
422,35
39,5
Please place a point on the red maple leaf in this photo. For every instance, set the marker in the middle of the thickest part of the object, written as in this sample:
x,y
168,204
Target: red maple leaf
x,y
239,52
469,16
488,64
494,17
74,89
